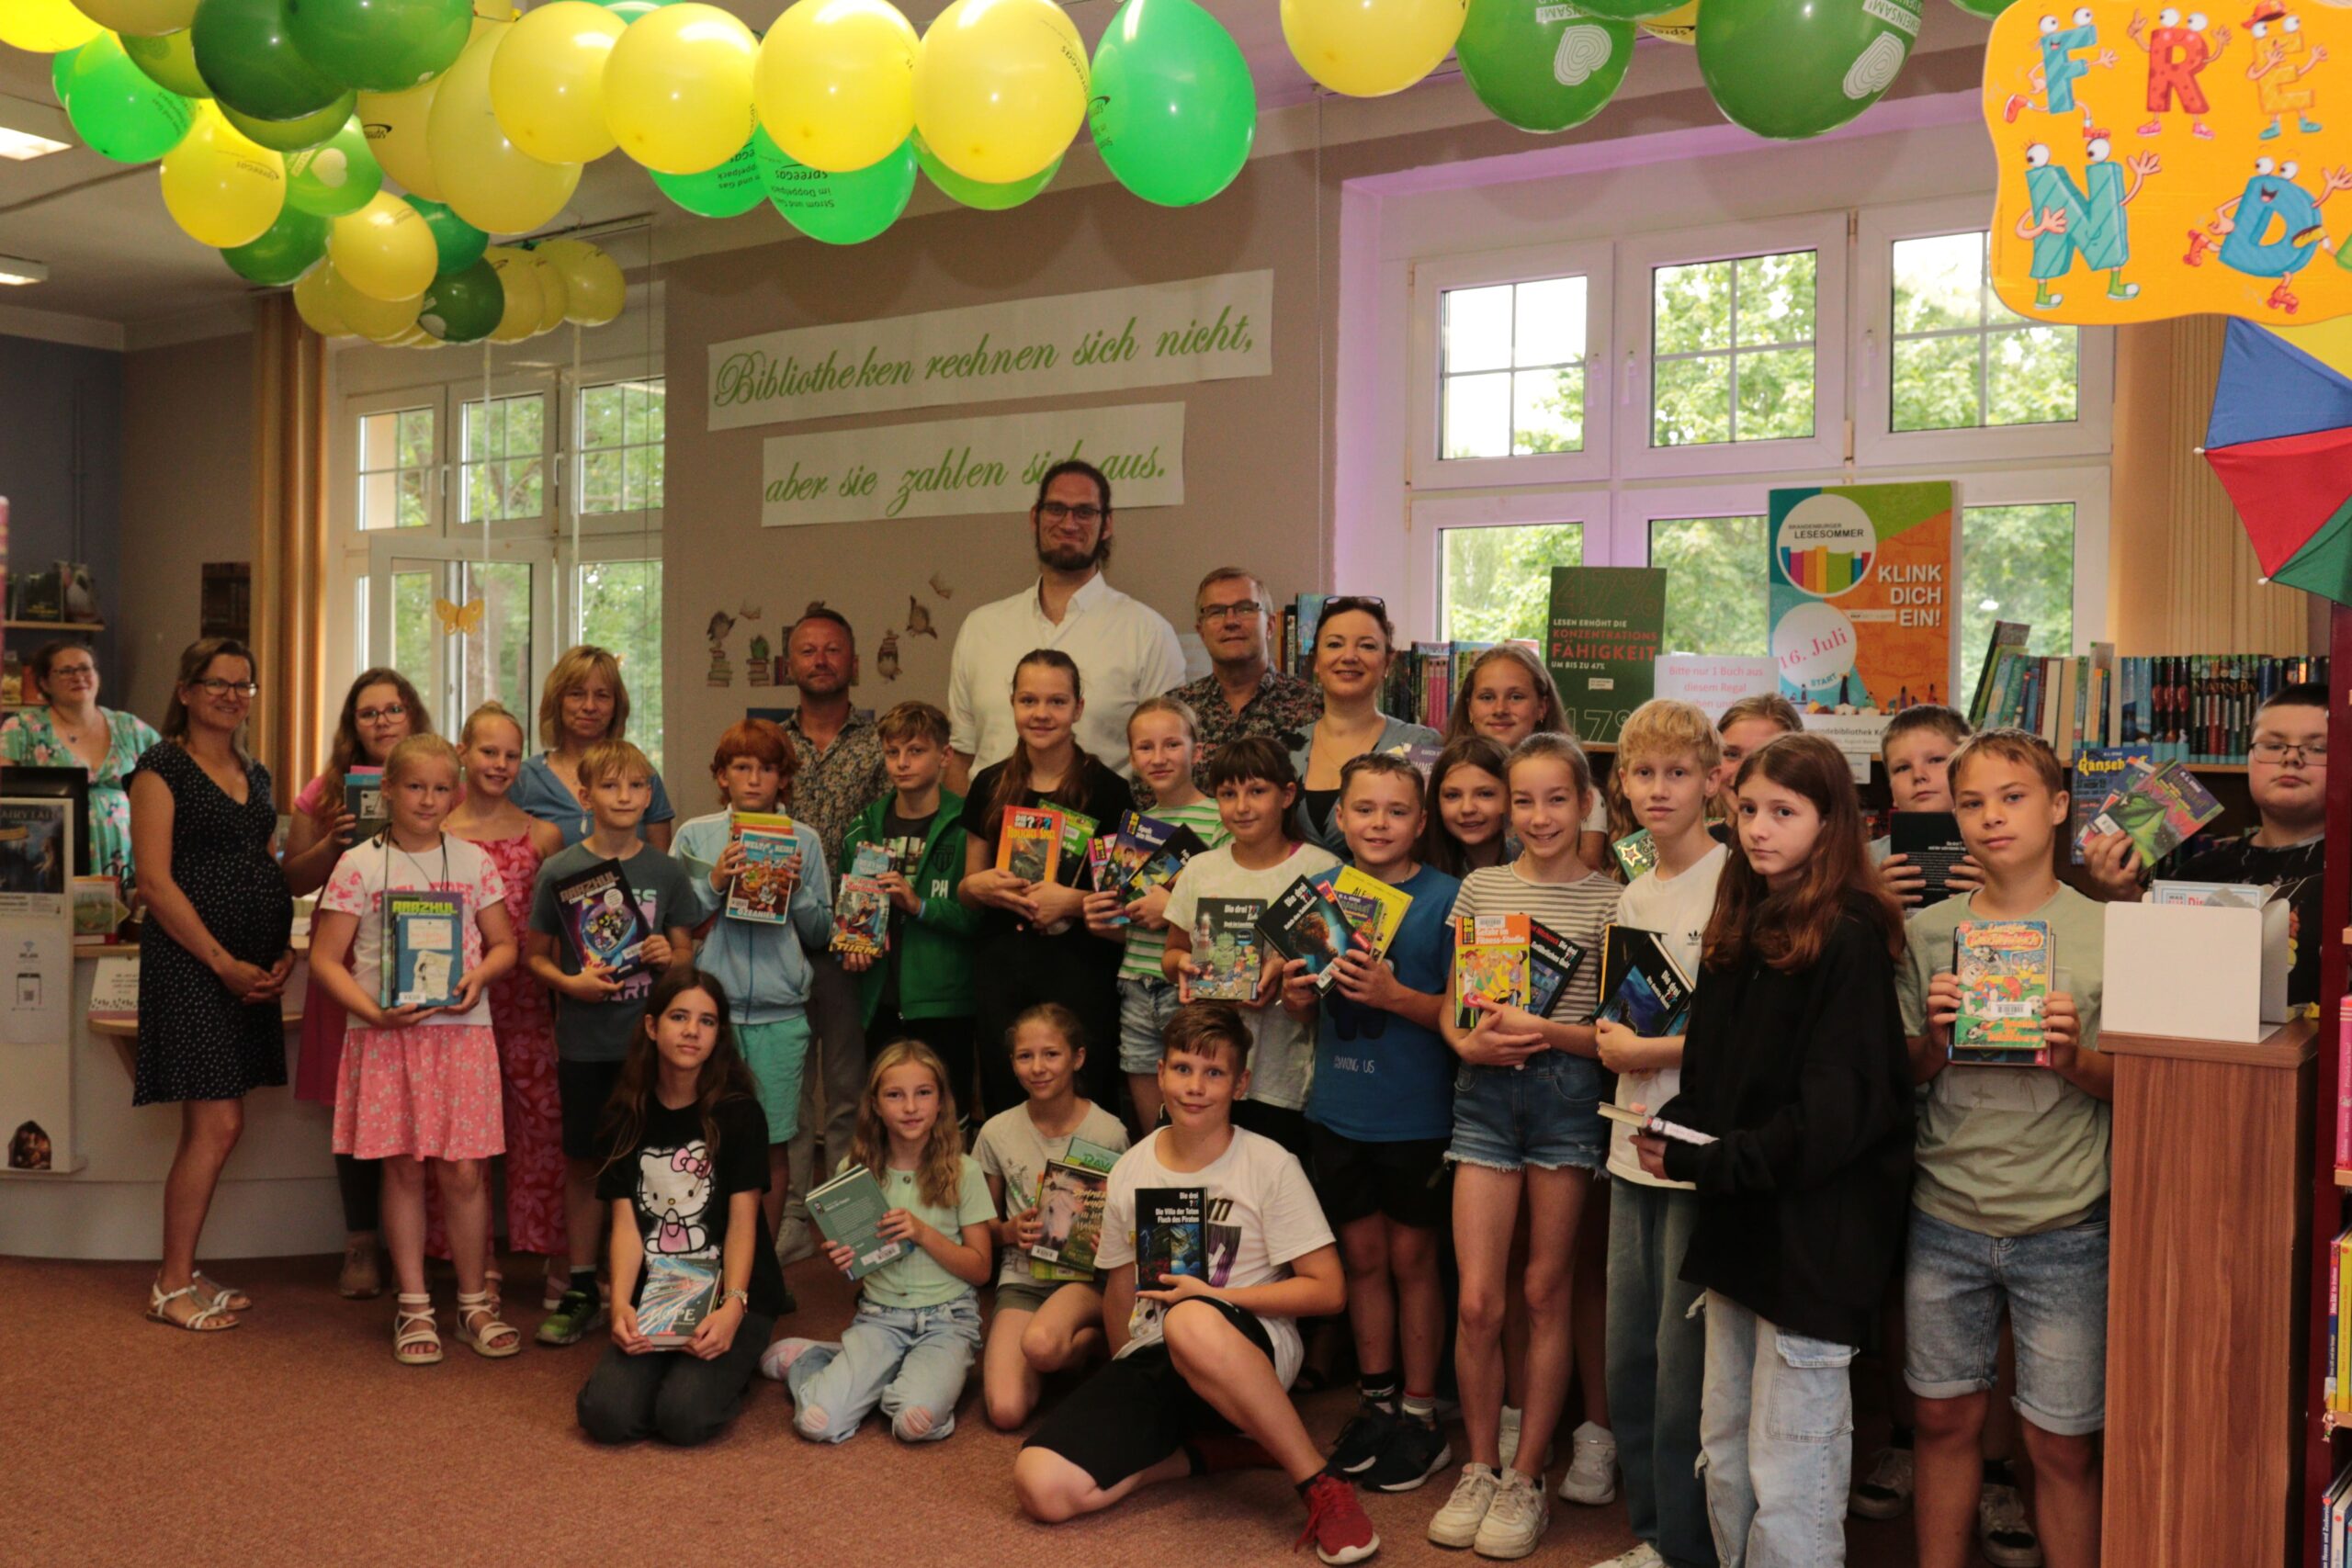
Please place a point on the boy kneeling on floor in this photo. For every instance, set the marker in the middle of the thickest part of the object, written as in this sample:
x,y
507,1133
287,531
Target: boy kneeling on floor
x,y
1204,1353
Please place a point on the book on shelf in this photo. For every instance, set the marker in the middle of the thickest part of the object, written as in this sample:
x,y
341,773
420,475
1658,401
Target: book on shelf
x,y
363,796
2335,1522
1225,949
1372,905
1642,1122
2009,635
1641,985
679,1292
2196,708
1031,845
602,920
424,949
2159,811
2343,1085
2006,969
1490,964
1171,1234
1551,962
762,889
848,1211
2337,1379
1071,1198
1306,923
1929,843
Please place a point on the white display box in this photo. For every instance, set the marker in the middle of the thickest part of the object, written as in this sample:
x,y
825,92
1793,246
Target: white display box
x,y
2195,973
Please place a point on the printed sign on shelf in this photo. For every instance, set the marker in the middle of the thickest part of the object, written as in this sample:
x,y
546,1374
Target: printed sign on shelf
x,y
1712,682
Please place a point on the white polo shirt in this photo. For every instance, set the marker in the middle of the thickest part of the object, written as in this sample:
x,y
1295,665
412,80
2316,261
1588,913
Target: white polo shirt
x,y
1125,650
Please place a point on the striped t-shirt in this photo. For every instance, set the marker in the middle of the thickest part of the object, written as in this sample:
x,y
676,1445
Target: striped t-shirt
x,y
1146,946
1577,910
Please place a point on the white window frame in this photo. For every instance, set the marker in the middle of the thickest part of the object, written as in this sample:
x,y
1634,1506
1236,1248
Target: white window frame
x,y
574,459
2085,487
1428,283
1871,338
1824,233
1430,516
343,454
1639,506
386,546
554,492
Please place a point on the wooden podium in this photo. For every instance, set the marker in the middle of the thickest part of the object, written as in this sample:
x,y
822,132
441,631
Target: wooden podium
x,y
2205,1348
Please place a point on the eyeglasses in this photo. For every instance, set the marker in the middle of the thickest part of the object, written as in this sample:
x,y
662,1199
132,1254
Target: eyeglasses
x,y
389,710
213,686
73,671
2277,751
1241,610
1060,511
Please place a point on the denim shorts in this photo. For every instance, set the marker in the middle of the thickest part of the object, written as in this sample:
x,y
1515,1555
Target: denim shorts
x,y
1955,1283
1145,1007
1546,1114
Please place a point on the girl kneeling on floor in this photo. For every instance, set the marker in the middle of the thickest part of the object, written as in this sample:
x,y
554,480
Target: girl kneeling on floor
x,y
917,1323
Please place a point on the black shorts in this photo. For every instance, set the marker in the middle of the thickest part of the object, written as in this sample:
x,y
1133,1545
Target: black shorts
x,y
1405,1181
1138,1410
583,1087
1280,1123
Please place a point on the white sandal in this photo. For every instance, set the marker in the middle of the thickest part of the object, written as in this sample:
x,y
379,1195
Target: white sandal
x,y
481,1340
211,1318
413,1326
225,1297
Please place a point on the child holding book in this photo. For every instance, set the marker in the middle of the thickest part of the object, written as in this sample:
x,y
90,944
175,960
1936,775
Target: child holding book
x,y
1657,1350
917,1323
1469,808
684,1168
597,1006
1379,1116
419,1081
1216,1249
921,987
1793,1069
1916,748
1034,944
760,961
1507,695
1040,1325
1526,1121
1163,737
2010,1206
1256,788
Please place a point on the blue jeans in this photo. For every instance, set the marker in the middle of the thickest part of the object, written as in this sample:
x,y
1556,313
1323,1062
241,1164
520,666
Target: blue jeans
x,y
1776,1438
1657,1363
908,1362
1546,1114
2055,1283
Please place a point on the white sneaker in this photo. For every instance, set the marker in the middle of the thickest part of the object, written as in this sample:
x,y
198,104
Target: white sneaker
x,y
1592,1467
1514,1520
1645,1555
1511,1438
2003,1530
1885,1491
1457,1524
796,1240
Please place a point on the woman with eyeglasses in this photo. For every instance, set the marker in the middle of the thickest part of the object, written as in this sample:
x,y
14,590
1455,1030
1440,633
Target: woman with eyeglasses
x,y
583,701
71,730
214,955
1354,645
379,711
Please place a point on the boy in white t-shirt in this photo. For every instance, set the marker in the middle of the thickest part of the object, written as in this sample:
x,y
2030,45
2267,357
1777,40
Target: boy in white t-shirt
x,y
1204,1354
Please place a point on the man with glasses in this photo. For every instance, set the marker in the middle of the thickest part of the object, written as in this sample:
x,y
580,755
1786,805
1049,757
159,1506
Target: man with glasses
x,y
2287,775
1126,650
1243,693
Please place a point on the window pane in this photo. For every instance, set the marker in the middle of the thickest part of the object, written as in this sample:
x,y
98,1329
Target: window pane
x,y
1775,395
620,441
1692,308
1498,580
415,438
413,596
1716,584
1939,283
1547,411
1776,297
379,500
2032,375
1477,417
601,476
413,493
1935,383
2017,563
1478,329
498,653
1550,322
620,608
1692,402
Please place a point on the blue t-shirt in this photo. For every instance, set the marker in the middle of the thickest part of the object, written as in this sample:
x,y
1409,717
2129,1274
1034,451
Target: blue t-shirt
x,y
1380,1078
537,791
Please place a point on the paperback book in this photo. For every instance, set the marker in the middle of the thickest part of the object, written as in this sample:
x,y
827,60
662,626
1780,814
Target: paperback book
x,y
861,918
363,796
1306,923
1551,962
1171,1233
2005,969
1225,949
1643,1123
848,1211
679,1292
1149,853
1078,831
1031,845
1373,907
423,947
1636,852
2159,811
1071,1198
1490,964
601,919
1099,875
762,889
1931,842
2101,771
2210,894
1641,985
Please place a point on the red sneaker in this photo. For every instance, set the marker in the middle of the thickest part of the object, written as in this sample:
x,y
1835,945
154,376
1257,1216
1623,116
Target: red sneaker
x,y
1336,1522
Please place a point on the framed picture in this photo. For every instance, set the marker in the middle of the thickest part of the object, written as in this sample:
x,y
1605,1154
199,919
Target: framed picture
x,y
35,846
59,786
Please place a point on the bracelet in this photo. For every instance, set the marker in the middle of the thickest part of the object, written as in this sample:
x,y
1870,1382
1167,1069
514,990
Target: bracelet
x,y
741,1297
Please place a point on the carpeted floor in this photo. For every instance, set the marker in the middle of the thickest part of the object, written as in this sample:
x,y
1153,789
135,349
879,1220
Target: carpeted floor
x,y
294,1438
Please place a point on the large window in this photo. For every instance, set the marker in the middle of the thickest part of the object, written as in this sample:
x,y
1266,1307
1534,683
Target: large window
x,y
1514,369
621,425
1717,599
398,467
2017,563
1499,579
1732,350
504,474
620,608
1961,358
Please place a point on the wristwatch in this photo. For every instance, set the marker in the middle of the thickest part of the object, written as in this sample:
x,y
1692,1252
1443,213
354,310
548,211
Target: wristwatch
x,y
741,1296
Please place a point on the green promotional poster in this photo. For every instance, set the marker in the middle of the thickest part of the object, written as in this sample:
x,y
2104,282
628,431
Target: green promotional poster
x,y
1601,643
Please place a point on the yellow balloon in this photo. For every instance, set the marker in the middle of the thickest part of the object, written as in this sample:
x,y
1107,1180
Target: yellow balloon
x,y
835,86
385,249
999,87
316,309
547,83
525,302
222,189
378,320
45,27
555,296
594,288
415,337
141,19
1368,49
1678,26
395,123
678,89
491,184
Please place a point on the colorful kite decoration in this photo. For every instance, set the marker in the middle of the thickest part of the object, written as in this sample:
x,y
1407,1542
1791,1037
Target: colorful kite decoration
x,y
2280,439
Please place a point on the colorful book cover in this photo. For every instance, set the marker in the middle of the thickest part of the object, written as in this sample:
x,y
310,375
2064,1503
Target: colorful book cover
x,y
1603,642
1085,1157
1860,594
867,860
363,796
2006,969
1099,875
861,918
1490,962
1171,1226
1078,831
762,889
1305,922
601,919
2101,772
1031,845
1636,852
424,951
1641,985
1225,949
1070,1199
2005,634
2160,811
1150,852
848,1211
679,1292
1370,905
1551,962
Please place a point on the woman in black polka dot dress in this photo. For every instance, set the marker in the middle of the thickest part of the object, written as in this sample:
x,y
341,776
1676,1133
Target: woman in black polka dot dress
x,y
214,955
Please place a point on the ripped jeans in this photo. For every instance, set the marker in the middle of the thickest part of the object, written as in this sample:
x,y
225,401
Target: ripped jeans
x,y
1775,1441
909,1362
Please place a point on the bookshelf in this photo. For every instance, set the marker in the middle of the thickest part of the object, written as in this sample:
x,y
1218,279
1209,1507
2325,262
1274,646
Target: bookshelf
x,y
2324,1449
83,628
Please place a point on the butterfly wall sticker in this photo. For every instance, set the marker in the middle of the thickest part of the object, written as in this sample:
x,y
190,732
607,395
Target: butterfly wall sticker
x,y
458,620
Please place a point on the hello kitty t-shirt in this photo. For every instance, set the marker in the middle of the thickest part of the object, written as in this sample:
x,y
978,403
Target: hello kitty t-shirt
x,y
680,1193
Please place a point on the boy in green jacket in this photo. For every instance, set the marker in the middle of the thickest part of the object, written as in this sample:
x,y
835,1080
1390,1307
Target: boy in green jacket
x,y
921,988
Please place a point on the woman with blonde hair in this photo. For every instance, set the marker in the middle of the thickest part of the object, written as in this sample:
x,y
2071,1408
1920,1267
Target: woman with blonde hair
x,y
583,701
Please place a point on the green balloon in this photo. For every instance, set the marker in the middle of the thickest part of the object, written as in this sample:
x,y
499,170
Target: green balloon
x,y
169,60
248,59
380,46
458,242
724,190
61,70
339,175
1627,10
1542,68
286,250
841,209
1173,110
630,10
979,193
116,109
464,305
1790,69
295,135
1989,9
